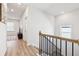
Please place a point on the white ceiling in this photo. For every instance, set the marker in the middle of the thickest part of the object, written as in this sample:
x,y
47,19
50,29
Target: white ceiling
x,y
56,8
50,8
15,10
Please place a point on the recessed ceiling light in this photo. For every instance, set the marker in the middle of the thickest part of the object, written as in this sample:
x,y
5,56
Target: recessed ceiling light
x,y
12,10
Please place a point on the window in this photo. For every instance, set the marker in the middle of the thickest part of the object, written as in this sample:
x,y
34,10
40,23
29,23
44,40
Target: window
x,y
65,31
10,26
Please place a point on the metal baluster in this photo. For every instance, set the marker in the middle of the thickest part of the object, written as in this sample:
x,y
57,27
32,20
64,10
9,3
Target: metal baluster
x,y
52,46
60,47
72,49
39,43
56,47
65,48
47,45
42,44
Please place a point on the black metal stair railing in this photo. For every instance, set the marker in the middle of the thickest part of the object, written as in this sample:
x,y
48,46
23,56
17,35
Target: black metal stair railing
x,y
48,45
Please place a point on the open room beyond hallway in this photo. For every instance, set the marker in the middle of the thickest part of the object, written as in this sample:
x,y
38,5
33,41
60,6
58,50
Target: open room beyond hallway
x,y
39,29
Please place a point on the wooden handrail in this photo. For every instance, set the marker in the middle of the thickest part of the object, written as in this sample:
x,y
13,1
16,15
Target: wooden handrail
x,y
61,38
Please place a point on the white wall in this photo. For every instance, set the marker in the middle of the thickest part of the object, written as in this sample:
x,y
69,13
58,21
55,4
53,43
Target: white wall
x,y
2,39
51,20
23,23
72,19
35,22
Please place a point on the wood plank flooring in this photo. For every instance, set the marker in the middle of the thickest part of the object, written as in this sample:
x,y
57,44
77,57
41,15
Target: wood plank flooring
x,y
20,48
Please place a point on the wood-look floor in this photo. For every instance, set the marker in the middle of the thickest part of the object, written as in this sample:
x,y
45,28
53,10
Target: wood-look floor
x,y
20,48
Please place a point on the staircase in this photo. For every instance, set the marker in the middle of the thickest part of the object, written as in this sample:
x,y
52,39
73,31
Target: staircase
x,y
50,45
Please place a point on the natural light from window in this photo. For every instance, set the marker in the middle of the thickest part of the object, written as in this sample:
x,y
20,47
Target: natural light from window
x,y
65,32
10,26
